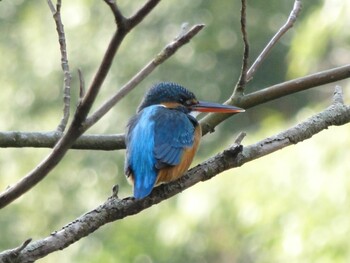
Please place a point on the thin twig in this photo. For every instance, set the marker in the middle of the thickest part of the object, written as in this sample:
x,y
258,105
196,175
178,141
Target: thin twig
x,y
51,6
289,24
64,63
240,138
239,89
167,52
338,95
115,209
118,16
142,12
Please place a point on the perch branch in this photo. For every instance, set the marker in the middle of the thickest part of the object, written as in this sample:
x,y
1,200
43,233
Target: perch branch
x,y
115,209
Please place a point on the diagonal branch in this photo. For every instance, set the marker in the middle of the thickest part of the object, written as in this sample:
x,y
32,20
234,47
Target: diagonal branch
x,y
167,52
143,12
115,209
289,24
210,121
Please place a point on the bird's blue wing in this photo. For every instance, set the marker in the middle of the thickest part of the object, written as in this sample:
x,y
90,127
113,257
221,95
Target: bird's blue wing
x,y
140,161
174,131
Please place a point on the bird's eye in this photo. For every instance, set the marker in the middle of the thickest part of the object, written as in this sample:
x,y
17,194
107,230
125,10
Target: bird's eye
x,y
189,102
182,100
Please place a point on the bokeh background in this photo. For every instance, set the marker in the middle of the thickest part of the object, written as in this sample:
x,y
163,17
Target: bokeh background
x,y
291,206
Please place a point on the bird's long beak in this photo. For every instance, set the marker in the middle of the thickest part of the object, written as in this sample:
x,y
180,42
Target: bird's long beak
x,y
204,106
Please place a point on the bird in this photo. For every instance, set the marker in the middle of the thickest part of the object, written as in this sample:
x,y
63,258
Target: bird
x,y
163,137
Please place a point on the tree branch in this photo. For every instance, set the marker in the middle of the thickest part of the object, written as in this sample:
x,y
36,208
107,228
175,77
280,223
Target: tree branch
x,y
16,139
119,18
64,63
239,89
115,209
143,12
210,121
289,24
167,52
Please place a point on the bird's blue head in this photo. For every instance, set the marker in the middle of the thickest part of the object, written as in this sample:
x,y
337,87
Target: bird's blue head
x,y
167,92
173,95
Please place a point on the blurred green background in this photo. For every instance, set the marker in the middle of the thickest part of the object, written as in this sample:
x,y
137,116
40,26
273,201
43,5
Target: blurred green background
x,y
291,206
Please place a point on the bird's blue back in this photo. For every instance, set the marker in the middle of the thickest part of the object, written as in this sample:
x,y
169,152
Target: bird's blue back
x,y
156,138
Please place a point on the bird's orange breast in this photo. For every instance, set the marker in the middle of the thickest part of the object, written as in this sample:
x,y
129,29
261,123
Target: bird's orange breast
x,y
172,173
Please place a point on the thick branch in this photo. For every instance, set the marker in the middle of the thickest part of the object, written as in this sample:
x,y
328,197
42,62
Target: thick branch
x,y
114,209
102,142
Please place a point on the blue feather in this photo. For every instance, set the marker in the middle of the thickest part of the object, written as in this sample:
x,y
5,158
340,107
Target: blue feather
x,y
140,157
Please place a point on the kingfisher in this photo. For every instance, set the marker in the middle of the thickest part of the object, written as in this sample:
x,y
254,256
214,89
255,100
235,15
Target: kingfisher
x,y
163,137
